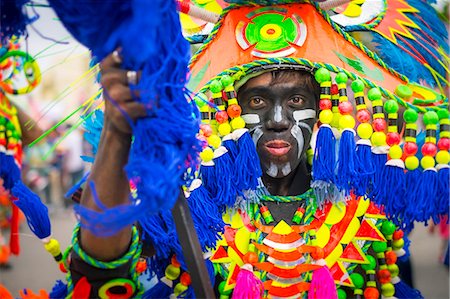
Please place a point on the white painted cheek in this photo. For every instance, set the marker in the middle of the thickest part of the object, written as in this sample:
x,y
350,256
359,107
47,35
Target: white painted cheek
x,y
272,171
257,135
286,169
298,135
251,119
304,114
277,117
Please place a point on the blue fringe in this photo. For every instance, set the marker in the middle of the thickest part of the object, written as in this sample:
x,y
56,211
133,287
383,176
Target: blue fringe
x,y
35,211
160,291
232,148
443,192
412,178
14,19
206,216
424,207
404,291
365,169
208,176
378,162
93,129
248,167
346,168
9,171
226,188
392,190
211,271
162,150
59,290
77,185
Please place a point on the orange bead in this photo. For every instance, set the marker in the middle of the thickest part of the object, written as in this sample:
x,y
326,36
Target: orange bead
x,y
398,235
234,111
141,266
318,253
250,258
391,257
174,261
371,293
384,276
185,279
62,268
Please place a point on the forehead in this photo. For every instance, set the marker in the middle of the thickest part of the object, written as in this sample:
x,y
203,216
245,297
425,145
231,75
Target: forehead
x,y
280,79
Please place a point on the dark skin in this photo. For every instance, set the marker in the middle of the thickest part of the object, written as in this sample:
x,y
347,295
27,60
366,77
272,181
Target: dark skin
x,y
108,170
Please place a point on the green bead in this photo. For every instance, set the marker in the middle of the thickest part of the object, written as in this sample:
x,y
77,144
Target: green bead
x,y
379,246
357,86
388,228
215,86
443,113
322,75
357,279
221,289
387,289
430,118
2,121
393,268
374,94
403,91
226,80
410,116
341,78
341,294
371,265
390,106
200,99
10,126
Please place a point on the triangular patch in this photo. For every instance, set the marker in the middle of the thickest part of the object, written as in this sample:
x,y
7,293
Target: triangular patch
x,y
368,231
231,280
354,254
374,212
219,255
340,275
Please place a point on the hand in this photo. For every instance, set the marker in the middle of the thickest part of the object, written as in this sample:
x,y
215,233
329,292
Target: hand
x,y
121,106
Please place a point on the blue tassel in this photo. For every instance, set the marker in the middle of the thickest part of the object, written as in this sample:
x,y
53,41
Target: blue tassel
x,y
379,160
59,290
426,191
211,272
324,163
205,215
230,145
35,211
154,230
160,291
412,178
365,167
404,291
226,188
443,191
14,19
77,186
207,174
392,190
346,166
248,167
9,171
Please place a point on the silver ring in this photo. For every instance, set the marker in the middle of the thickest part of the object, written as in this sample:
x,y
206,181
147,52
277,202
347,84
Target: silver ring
x,y
116,57
132,77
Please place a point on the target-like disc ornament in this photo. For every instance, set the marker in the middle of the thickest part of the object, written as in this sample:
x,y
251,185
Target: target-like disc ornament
x,y
271,33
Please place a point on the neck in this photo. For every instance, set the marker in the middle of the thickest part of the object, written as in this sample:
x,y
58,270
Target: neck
x,y
295,183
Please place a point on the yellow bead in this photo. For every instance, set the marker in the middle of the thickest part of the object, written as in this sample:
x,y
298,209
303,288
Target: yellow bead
x,y
347,122
237,123
335,122
412,162
224,129
398,244
378,139
387,289
427,162
395,152
393,268
214,141
53,247
326,116
179,288
172,272
443,157
207,154
364,130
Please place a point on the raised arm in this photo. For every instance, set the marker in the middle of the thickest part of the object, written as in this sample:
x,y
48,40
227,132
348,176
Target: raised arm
x,y
108,173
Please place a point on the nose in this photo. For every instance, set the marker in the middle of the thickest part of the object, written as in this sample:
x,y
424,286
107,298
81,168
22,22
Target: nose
x,y
277,120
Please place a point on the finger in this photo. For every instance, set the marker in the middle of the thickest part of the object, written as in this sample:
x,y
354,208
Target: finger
x,y
134,110
109,63
118,93
117,76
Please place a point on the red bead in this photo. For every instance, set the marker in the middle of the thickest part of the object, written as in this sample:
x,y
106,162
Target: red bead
x,y
325,104
62,268
345,107
384,276
444,144
429,149
391,257
398,235
410,148
185,279
250,258
206,129
363,116
221,117
234,111
371,293
174,261
318,253
379,124
334,89
392,138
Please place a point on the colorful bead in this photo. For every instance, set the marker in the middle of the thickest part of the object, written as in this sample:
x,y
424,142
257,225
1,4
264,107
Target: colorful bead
x,y
391,258
391,106
341,78
378,139
324,104
226,80
371,265
322,75
214,141
393,138
398,244
379,125
379,246
200,99
250,258
347,122
221,117
345,107
429,149
384,276
172,272
215,86
364,130
387,289
398,235
357,85
267,216
207,154
371,293
357,280
427,162
412,162
363,116
444,144
395,152
410,148
430,118
326,116
393,268
410,115
224,129
234,111
237,123
341,294
374,94
388,227
443,157
403,91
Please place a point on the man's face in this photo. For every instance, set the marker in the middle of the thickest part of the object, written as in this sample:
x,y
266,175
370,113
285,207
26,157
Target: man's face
x,y
280,114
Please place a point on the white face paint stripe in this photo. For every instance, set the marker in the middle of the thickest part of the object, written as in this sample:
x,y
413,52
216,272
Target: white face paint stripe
x,y
298,135
286,169
251,119
305,125
257,135
273,170
277,117
304,114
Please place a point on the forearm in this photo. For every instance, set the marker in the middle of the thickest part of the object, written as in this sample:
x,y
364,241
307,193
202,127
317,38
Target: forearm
x,y
112,187
32,132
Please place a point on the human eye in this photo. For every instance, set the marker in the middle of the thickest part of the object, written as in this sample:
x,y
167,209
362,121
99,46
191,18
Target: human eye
x,y
257,102
296,101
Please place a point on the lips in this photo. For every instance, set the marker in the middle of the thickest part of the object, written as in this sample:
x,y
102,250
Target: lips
x,y
278,147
